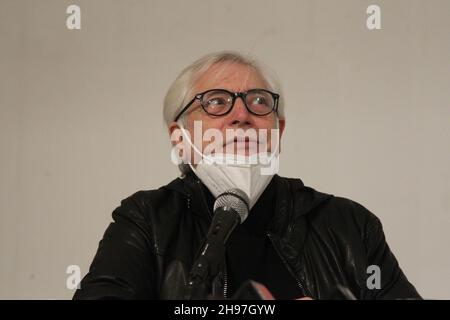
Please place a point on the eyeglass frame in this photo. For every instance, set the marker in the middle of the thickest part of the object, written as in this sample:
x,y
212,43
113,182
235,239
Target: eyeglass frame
x,y
234,95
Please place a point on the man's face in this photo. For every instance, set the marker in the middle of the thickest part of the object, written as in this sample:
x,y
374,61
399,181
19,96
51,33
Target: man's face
x,y
233,77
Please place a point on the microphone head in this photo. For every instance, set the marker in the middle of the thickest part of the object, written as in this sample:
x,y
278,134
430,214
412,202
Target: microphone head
x,y
235,199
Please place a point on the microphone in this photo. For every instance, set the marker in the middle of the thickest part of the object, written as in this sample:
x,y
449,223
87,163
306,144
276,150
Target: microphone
x,y
230,209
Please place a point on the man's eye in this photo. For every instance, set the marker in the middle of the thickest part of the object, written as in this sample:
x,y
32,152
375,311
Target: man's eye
x,y
216,102
259,100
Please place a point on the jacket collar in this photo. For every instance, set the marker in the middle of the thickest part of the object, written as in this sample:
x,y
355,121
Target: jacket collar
x,y
293,200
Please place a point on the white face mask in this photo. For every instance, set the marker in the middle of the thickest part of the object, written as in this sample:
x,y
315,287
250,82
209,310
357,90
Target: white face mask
x,y
223,172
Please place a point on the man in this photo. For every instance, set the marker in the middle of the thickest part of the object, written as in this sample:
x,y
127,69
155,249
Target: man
x,y
296,241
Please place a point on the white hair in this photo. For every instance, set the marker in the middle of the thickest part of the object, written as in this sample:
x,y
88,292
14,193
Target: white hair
x,y
180,92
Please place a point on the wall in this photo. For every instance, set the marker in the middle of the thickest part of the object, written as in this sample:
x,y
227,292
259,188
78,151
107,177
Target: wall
x,y
81,123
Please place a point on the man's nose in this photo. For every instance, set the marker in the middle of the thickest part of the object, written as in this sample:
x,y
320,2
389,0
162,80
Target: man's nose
x,y
240,116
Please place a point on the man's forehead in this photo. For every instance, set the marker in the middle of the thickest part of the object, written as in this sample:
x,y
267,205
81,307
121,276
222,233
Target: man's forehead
x,y
231,76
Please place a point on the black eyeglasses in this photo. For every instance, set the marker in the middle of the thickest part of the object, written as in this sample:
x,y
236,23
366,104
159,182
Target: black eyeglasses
x,y
219,102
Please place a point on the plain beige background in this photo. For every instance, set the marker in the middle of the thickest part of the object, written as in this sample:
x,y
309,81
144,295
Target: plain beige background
x,y
81,118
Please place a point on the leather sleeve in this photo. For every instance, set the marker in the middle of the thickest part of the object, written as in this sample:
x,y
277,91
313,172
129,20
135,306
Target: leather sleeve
x,y
122,267
394,284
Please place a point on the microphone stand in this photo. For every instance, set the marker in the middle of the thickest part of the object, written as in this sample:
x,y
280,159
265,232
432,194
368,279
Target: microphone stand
x,y
207,265
205,268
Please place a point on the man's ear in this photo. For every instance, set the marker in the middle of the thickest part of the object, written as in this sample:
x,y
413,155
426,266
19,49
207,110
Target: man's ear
x,y
172,126
175,133
176,139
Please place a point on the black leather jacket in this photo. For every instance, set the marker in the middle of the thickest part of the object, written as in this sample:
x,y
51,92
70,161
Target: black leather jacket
x,y
323,241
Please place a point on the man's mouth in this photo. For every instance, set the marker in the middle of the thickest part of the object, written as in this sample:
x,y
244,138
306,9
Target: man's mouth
x,y
242,146
241,141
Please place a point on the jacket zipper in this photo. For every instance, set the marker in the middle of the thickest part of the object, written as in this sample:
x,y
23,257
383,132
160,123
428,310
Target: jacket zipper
x,y
299,283
225,281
